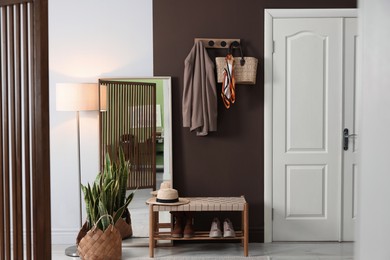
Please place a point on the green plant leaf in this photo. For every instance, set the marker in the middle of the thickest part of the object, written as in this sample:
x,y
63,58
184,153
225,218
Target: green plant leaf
x,y
122,209
105,221
108,192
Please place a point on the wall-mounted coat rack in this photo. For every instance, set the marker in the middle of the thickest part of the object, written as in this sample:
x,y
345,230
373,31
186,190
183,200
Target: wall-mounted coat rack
x,y
218,43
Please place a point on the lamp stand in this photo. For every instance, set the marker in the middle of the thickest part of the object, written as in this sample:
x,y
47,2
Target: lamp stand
x,y
72,250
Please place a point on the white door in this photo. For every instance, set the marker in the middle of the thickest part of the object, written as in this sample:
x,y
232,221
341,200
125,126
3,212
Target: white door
x,y
351,104
307,129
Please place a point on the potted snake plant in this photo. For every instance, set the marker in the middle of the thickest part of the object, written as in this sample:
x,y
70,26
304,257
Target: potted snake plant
x,y
107,197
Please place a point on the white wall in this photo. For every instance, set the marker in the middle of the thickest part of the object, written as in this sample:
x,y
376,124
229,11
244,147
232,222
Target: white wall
x,y
88,40
374,203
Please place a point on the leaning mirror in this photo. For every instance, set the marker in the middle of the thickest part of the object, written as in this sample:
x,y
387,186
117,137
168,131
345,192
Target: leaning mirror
x,y
136,116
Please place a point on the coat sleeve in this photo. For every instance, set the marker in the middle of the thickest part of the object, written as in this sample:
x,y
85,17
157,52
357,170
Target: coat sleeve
x,y
187,93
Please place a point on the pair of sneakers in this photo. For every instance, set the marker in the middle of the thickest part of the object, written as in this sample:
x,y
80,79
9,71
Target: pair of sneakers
x,y
215,231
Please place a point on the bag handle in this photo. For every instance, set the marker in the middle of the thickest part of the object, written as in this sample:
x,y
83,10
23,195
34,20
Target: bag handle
x,y
237,45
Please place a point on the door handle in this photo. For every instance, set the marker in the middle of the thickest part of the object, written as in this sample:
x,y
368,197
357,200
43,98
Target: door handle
x,y
346,136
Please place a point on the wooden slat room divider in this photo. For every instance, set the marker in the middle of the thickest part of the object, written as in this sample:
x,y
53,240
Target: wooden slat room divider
x,y
25,225
130,122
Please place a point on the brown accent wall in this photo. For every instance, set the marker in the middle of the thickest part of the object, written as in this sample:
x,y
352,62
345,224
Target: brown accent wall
x,y
229,162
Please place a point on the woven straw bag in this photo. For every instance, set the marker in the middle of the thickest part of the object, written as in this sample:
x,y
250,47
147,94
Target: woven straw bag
x,y
244,68
245,74
99,245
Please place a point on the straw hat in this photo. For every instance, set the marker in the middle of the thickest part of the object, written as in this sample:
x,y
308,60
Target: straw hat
x,y
163,185
167,196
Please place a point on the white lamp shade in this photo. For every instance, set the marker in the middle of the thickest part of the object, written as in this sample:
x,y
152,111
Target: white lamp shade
x,y
77,96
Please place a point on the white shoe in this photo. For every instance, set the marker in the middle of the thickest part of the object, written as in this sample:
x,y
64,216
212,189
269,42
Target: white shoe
x,y
228,230
215,230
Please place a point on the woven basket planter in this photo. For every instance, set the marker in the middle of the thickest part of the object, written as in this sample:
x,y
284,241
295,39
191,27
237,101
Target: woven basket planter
x,y
99,245
124,225
83,231
242,74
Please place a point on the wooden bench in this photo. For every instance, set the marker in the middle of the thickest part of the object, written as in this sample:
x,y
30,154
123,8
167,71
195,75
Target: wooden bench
x,y
199,204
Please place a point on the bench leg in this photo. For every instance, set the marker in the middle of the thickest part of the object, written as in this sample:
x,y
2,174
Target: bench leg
x,y
152,226
246,229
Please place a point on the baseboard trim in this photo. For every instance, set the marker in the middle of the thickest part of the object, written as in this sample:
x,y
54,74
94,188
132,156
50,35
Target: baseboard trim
x,y
256,235
64,236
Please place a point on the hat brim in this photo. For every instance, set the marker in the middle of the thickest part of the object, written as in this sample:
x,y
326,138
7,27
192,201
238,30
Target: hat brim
x,y
180,202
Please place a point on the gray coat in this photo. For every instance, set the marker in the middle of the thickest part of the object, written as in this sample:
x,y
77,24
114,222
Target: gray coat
x,y
199,92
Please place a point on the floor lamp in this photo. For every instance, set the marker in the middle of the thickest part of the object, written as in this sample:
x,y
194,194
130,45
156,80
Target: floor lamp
x,y
77,97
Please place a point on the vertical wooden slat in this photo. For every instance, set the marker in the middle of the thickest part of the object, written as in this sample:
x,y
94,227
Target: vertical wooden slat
x,y
148,135
26,148
144,176
150,128
101,133
12,117
117,120
113,130
113,111
125,119
7,212
17,185
132,131
153,130
109,118
114,119
2,66
141,128
145,134
121,111
100,121
125,140
41,144
139,137
31,108
154,125
112,123
12,85
126,116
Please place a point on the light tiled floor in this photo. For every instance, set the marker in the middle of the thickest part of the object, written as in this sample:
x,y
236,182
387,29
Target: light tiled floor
x,y
140,212
276,251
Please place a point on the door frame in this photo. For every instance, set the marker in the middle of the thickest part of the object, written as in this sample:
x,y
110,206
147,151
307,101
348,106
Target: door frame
x,y
269,16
